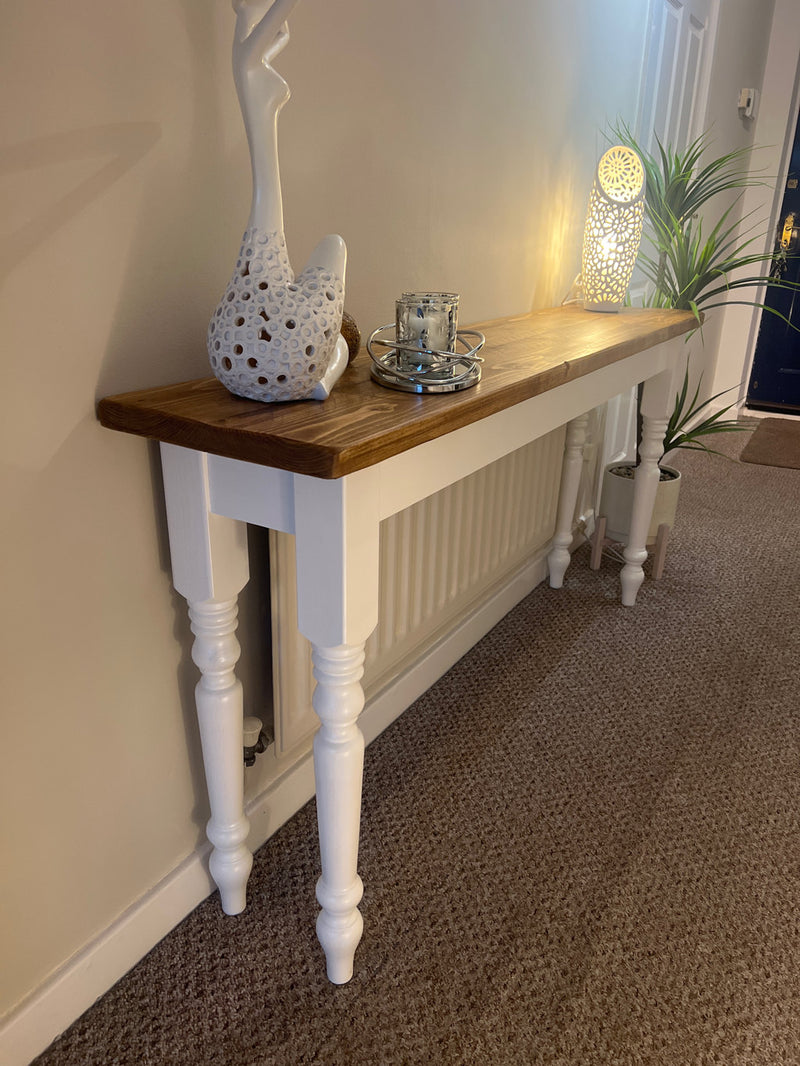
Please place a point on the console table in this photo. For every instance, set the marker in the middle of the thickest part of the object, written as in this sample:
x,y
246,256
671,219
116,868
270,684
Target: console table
x,y
329,473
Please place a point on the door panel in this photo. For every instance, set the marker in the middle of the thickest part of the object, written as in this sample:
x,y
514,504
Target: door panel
x,y
775,377
675,71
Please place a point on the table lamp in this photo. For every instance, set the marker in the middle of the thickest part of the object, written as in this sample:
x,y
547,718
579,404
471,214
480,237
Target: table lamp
x,y
613,229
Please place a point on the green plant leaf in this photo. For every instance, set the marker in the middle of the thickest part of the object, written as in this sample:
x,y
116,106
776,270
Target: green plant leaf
x,y
695,265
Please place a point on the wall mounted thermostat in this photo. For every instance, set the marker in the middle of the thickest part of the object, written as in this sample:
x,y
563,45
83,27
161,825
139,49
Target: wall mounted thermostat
x,y
747,102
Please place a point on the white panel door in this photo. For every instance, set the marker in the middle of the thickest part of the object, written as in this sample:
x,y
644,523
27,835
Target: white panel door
x,y
675,77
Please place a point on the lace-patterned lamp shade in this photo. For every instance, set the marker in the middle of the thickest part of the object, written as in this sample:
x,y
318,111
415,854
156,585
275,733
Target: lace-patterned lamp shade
x,y
613,229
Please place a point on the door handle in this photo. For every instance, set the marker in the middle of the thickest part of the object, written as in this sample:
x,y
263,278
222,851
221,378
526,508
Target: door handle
x,y
789,233
786,242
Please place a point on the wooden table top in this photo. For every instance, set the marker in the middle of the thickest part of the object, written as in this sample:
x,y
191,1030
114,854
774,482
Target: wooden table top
x,y
361,423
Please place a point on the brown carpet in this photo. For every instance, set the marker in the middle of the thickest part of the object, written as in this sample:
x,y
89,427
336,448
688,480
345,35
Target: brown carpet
x,y
776,442
580,848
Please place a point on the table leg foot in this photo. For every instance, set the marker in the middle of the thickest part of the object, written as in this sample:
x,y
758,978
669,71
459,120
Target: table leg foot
x,y
339,929
338,768
220,716
632,577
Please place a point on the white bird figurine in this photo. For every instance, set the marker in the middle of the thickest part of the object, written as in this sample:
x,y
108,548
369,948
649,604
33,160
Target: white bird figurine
x,y
274,336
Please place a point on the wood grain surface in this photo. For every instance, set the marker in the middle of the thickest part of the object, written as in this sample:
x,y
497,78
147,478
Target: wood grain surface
x,y
362,423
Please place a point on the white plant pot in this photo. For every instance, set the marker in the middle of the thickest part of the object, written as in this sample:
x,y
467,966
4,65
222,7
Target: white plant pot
x,y
616,503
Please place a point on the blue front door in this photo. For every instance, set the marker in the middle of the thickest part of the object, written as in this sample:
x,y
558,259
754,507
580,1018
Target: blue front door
x,y
775,377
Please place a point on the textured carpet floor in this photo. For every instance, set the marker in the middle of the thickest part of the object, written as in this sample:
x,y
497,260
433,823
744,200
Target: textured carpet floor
x,y
776,442
580,847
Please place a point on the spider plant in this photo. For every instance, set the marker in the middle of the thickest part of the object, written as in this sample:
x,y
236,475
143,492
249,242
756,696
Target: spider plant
x,y
694,265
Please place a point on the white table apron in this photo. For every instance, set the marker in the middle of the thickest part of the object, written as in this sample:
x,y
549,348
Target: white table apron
x,y
336,524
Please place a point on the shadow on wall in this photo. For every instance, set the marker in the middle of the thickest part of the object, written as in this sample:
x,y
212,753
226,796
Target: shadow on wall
x,y
126,143
165,295
195,202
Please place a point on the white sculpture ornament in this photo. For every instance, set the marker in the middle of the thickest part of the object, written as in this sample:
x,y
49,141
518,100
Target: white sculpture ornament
x,y
274,337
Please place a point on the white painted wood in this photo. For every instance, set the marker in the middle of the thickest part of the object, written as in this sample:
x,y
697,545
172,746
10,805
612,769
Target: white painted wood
x,y
559,558
655,416
619,441
676,73
415,474
337,531
337,539
261,495
209,551
220,714
338,766
210,567
508,507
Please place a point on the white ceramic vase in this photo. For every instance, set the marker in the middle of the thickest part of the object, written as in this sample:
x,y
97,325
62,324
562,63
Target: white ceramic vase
x,y
274,336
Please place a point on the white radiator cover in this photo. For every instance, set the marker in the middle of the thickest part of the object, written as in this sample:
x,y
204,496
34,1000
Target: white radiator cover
x,y
440,561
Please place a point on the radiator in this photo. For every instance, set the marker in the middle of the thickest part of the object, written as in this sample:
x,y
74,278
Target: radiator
x,y
439,561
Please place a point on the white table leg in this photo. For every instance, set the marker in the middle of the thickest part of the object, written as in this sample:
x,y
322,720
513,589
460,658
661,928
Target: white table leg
x,y
655,407
336,524
220,714
558,558
210,567
338,764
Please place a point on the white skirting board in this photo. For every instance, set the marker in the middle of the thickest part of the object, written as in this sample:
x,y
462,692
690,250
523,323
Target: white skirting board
x,y
427,624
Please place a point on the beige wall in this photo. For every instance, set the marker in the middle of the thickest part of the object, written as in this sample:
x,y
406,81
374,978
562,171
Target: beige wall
x,y
452,143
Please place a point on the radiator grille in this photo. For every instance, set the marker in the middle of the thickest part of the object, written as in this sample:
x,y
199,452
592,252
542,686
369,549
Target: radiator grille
x,y
439,560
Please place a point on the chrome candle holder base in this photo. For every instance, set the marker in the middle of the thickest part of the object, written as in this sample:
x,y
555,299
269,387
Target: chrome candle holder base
x,y
410,368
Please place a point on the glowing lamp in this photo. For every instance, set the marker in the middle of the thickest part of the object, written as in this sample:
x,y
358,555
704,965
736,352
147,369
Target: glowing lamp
x,y
613,229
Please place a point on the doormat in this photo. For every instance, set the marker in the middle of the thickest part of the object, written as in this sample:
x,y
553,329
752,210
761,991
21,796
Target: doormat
x,y
776,442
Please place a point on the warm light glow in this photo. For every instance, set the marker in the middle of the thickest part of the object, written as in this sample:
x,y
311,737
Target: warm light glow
x,y
613,229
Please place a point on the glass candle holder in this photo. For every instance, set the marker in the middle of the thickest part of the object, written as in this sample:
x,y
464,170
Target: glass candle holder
x,y
427,321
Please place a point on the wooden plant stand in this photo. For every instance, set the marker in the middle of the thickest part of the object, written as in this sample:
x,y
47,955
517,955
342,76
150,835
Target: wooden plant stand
x,y
599,541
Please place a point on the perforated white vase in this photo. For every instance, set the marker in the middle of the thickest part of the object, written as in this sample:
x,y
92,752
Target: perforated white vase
x,y
273,336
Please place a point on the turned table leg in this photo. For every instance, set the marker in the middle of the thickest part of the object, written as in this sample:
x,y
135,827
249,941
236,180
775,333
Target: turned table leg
x,y
220,714
337,528
338,764
558,558
210,567
655,405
